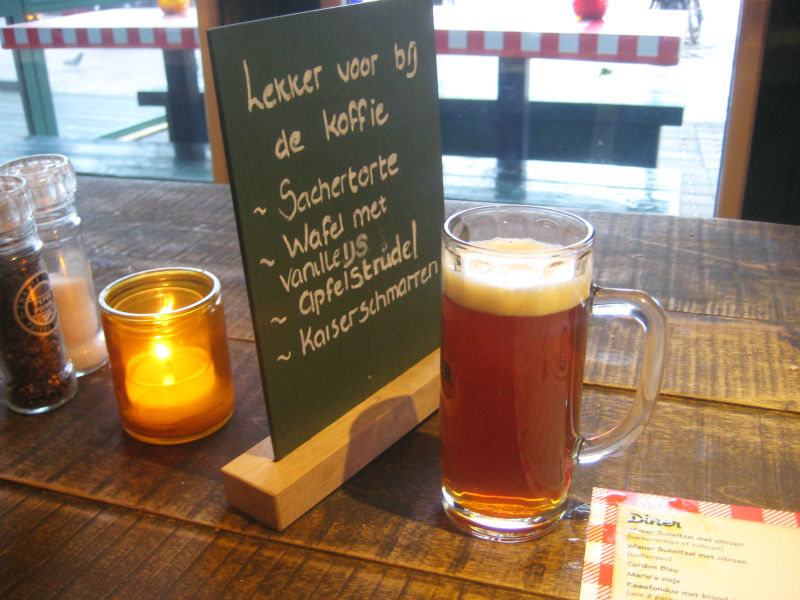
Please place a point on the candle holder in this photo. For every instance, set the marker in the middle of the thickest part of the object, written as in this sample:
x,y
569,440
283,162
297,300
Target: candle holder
x,y
165,332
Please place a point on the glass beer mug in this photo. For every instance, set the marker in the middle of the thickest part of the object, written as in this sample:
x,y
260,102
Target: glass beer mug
x,y
517,295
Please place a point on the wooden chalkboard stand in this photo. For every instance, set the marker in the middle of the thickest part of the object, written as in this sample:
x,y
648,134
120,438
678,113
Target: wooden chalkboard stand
x,y
278,492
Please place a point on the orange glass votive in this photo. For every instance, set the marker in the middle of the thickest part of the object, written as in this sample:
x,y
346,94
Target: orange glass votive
x,y
168,349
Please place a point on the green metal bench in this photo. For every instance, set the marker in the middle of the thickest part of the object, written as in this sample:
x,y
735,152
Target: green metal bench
x,y
616,131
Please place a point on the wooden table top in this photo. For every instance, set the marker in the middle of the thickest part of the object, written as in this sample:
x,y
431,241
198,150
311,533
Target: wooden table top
x,y
88,512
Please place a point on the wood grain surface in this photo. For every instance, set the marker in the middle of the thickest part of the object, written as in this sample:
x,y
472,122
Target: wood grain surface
x,y
87,511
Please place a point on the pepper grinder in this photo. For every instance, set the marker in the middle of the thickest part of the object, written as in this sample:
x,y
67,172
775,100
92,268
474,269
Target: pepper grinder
x,y
35,370
52,182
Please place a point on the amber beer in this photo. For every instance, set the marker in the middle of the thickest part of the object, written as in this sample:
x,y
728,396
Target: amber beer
x,y
517,294
512,369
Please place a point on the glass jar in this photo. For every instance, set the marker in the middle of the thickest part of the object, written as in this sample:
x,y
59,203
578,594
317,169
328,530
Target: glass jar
x,y
165,330
37,374
52,182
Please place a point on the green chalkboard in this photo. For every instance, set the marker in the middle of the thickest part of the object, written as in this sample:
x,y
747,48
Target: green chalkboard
x,y
331,128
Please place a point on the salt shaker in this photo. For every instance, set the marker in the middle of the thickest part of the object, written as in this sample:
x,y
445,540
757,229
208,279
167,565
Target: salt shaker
x,y
52,183
35,370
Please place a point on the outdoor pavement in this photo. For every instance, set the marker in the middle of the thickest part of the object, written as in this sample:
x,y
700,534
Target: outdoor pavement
x,y
695,148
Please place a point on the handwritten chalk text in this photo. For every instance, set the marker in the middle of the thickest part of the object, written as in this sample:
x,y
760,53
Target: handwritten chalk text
x,y
282,89
352,180
359,115
314,339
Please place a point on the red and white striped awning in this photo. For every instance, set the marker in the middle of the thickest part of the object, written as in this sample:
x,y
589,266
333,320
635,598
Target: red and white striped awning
x,y
646,36
114,28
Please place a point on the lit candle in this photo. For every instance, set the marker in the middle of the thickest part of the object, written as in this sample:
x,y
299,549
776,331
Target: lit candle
x,y
165,331
168,386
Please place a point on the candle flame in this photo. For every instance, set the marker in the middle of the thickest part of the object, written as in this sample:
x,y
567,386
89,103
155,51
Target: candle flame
x,y
162,352
167,306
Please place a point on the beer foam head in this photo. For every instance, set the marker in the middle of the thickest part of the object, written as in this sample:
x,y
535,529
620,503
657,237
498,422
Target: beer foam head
x,y
526,280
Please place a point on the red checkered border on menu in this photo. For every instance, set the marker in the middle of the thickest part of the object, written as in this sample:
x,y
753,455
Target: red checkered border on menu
x,y
598,566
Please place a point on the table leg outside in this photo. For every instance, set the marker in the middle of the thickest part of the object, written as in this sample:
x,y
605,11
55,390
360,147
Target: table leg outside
x,y
37,99
513,124
512,109
186,110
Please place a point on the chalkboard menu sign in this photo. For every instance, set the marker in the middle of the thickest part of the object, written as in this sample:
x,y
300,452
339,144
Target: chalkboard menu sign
x,y
331,128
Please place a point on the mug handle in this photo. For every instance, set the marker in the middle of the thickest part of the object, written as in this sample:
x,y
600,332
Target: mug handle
x,y
609,302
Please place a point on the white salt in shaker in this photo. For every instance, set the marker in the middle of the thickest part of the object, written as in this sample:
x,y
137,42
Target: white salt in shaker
x,y
52,182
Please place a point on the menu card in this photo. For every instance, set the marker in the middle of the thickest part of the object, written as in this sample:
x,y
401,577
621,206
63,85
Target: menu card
x,y
331,127
657,547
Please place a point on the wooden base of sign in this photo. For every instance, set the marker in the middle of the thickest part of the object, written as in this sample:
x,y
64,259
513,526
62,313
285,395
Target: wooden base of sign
x,y
277,492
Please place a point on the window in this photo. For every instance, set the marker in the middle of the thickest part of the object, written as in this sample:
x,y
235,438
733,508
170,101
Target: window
x,y
584,142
